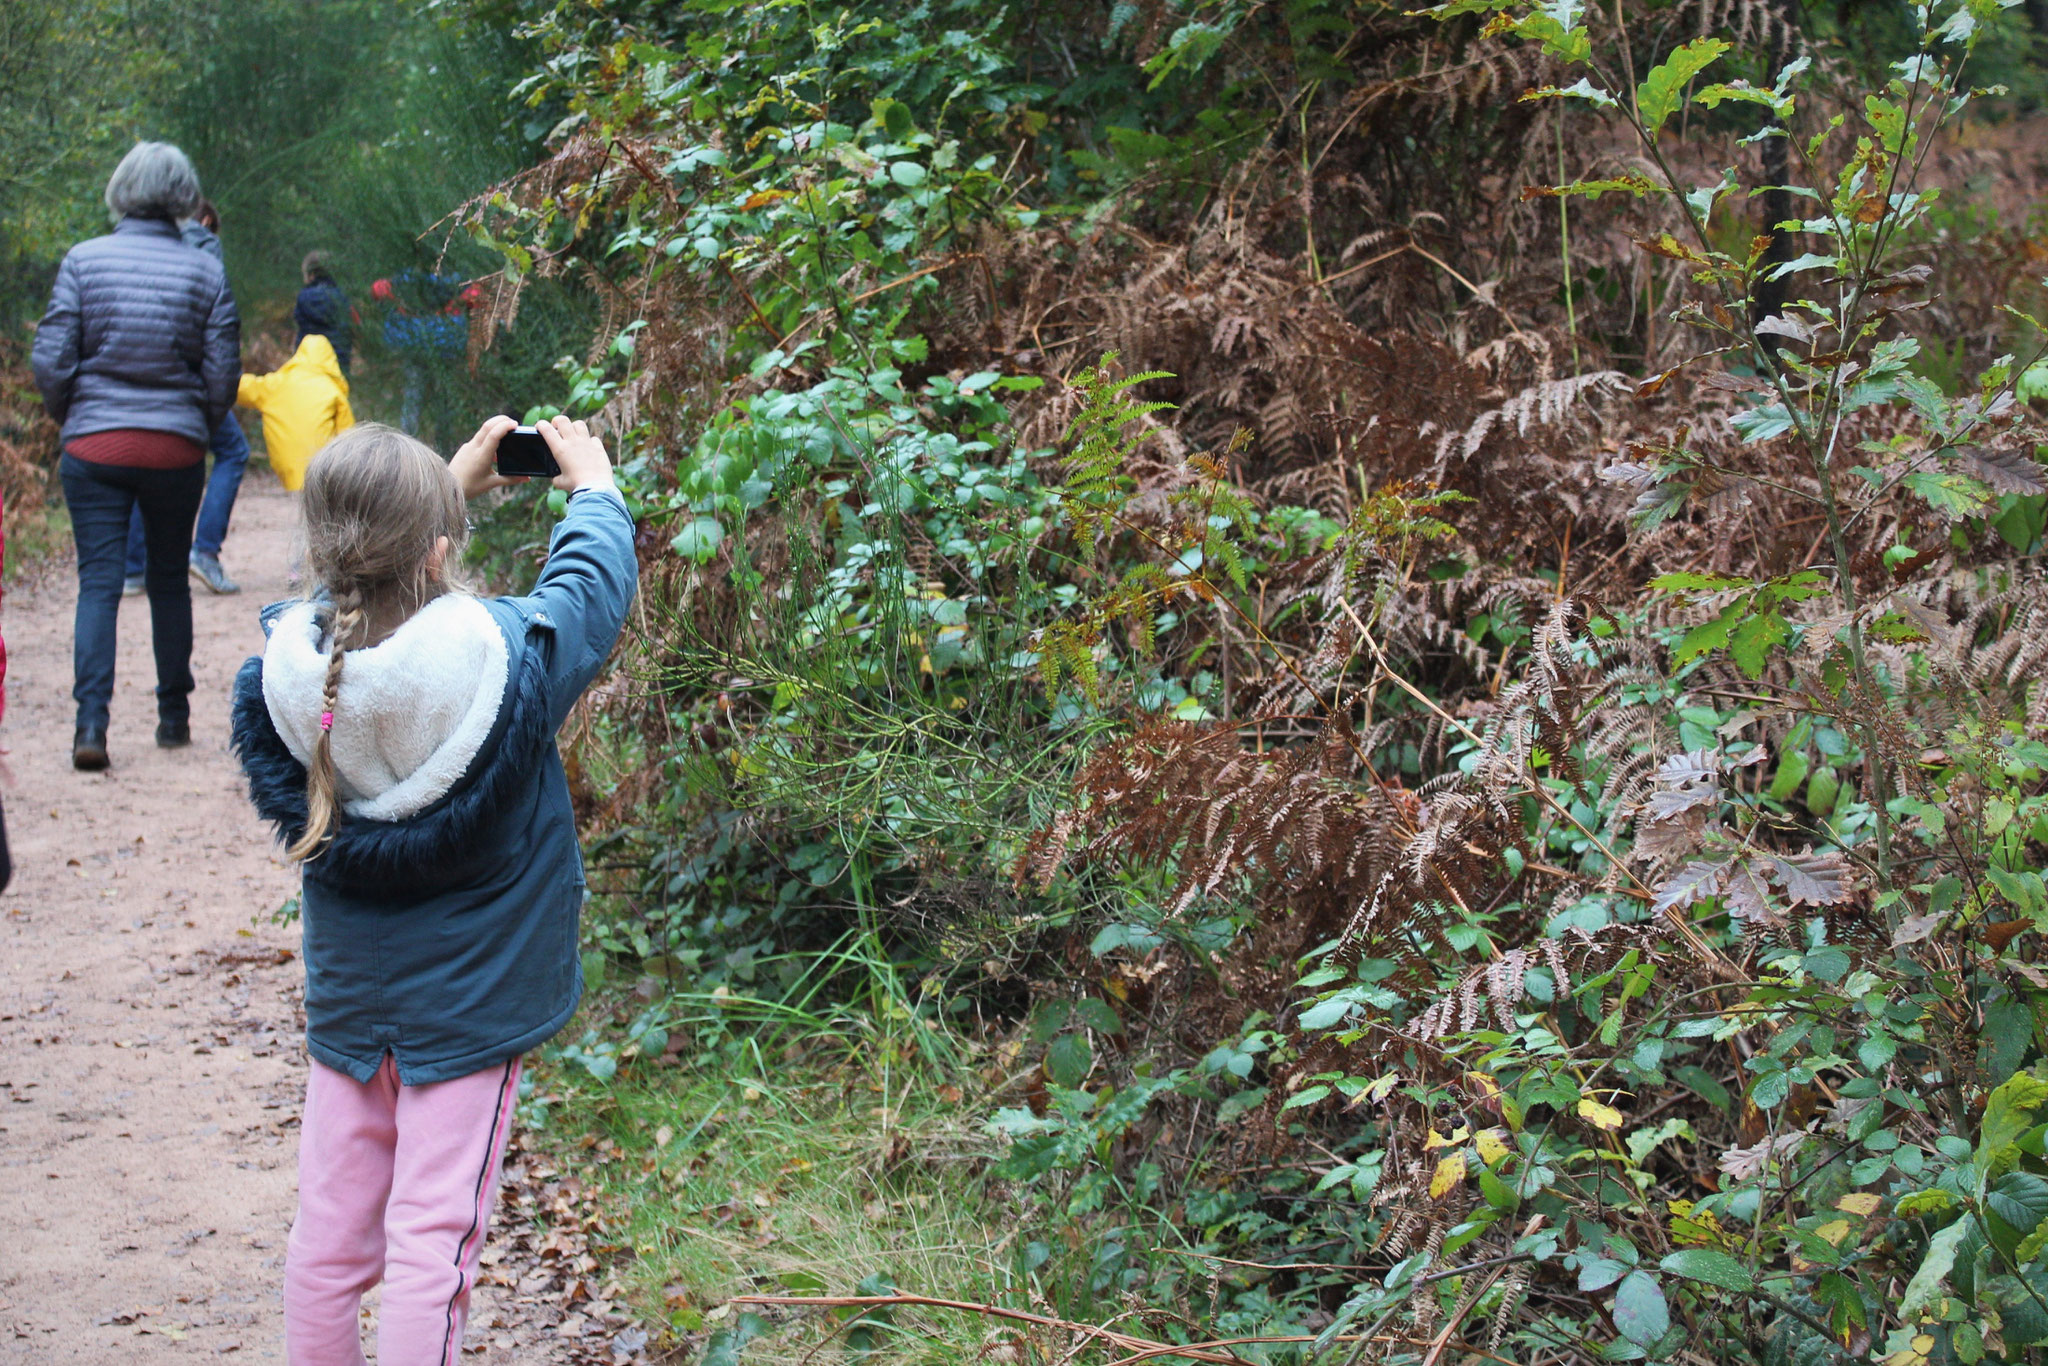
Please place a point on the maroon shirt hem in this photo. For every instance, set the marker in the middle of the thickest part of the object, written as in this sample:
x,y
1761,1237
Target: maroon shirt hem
x,y
137,448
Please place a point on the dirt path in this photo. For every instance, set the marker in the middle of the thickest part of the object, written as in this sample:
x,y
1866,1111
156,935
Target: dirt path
x,y
148,1049
151,1063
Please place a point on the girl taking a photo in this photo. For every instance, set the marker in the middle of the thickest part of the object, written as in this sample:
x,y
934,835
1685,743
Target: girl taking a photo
x,y
399,732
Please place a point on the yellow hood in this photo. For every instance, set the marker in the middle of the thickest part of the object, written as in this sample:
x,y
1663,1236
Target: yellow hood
x,y
304,403
316,353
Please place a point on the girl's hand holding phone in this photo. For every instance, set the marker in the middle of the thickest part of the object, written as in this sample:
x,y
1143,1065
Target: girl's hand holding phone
x,y
475,464
581,455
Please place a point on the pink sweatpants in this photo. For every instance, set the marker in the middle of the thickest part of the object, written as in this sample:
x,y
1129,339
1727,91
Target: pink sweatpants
x,y
396,1184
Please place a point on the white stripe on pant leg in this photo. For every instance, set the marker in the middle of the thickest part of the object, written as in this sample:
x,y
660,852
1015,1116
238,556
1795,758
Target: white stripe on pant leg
x,y
480,1212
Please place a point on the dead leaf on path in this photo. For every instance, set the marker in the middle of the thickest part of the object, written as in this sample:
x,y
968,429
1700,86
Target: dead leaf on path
x,y
260,957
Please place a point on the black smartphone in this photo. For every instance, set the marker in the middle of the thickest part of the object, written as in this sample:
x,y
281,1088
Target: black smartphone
x,y
524,451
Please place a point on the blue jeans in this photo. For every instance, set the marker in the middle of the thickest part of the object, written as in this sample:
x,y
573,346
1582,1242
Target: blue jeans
x,y
230,458
102,498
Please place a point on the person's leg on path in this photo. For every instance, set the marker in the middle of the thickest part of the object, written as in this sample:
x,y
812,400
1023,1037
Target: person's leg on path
x,y
230,459
444,1183
100,508
138,553
170,500
347,1135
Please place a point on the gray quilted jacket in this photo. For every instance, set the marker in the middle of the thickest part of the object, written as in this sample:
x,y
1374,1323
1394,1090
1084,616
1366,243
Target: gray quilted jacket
x,y
141,332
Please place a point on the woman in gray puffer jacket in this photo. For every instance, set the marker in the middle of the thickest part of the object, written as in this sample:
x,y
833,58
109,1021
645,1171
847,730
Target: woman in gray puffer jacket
x,y
137,357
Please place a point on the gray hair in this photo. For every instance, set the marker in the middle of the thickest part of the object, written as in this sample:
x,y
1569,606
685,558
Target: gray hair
x,y
155,180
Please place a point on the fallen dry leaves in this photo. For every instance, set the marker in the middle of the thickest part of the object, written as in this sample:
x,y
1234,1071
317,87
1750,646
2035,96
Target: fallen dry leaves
x,y
554,1263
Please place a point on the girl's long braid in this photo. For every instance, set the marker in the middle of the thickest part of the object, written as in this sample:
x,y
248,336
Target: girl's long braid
x,y
383,523
322,808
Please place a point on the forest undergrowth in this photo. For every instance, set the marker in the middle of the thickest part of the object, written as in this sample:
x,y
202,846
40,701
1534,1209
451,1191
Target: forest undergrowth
x,y
1421,702
1314,683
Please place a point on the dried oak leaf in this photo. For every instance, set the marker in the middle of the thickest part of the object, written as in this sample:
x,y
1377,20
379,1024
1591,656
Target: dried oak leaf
x,y
1817,879
1693,883
1688,780
2005,471
1749,896
1741,1164
1667,840
1785,325
1915,928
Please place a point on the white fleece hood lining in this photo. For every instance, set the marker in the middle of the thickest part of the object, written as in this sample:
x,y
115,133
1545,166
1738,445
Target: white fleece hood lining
x,y
411,713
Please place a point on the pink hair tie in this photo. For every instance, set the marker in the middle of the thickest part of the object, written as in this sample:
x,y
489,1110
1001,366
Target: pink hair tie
x,y
326,720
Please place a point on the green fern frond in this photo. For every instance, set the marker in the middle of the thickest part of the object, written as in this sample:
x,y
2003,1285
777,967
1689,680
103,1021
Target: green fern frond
x,y
1215,510
1136,601
1393,518
1085,674
1066,652
1049,667
1100,444
1218,547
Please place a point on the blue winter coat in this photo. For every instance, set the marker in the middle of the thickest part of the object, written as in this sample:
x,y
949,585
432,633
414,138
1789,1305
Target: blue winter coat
x,y
449,939
141,332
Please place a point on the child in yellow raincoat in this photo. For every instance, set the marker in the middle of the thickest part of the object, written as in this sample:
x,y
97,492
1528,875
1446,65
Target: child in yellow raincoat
x,y
303,405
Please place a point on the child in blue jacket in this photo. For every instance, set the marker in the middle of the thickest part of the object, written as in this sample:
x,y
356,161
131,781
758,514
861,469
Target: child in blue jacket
x,y
400,734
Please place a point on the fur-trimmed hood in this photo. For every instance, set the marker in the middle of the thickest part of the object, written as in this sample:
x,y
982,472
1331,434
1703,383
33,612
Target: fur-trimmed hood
x,y
455,810
411,712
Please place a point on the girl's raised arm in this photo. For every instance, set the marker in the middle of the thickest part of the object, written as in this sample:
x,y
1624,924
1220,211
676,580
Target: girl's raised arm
x,y
592,570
